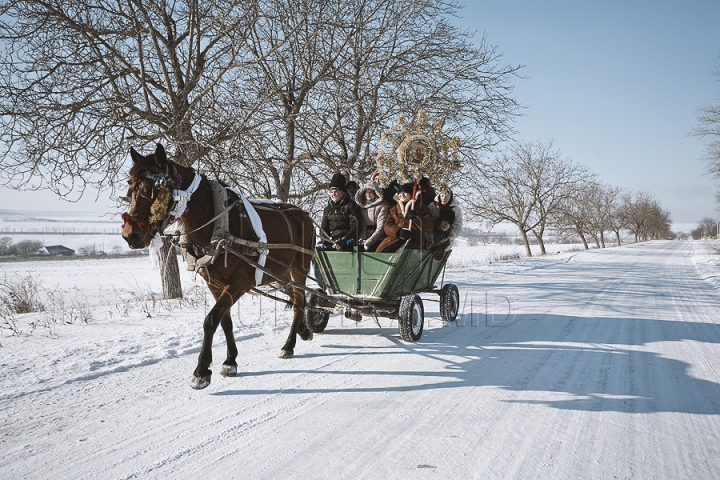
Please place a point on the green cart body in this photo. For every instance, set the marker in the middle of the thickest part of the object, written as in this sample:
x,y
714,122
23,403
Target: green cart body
x,y
381,284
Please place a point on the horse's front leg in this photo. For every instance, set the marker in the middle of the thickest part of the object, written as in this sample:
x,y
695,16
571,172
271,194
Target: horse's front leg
x,y
229,367
202,374
220,312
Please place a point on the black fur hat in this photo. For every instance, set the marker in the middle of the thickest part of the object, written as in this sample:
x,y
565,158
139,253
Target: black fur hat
x,y
338,181
406,187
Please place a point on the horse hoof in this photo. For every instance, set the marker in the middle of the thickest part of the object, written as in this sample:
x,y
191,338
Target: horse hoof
x,y
307,336
198,383
286,354
228,370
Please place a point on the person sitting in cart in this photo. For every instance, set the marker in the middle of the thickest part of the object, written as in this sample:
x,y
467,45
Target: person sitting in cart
x,y
440,237
351,188
407,222
427,191
341,217
444,202
374,212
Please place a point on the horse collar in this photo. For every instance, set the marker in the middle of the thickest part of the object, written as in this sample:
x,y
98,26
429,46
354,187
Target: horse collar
x,y
182,197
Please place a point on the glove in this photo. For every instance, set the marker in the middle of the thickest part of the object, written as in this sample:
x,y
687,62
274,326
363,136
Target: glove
x,y
412,214
350,242
365,247
361,242
404,233
337,246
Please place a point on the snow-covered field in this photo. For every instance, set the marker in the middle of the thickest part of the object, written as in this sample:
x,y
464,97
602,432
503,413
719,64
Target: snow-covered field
x,y
597,364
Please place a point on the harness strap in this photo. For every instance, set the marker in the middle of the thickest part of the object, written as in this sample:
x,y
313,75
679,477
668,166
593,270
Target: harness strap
x,y
269,246
181,197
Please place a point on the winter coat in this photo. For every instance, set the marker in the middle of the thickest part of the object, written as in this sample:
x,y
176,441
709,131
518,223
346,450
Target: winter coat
x,y
422,224
373,214
436,207
340,221
438,241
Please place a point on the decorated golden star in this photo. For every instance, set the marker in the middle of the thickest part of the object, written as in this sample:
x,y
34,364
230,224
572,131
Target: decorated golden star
x,y
409,151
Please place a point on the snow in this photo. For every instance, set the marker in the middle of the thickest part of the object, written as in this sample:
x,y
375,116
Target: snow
x,y
582,364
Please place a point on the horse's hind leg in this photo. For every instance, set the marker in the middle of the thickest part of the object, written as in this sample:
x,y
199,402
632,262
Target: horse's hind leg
x,y
298,327
229,366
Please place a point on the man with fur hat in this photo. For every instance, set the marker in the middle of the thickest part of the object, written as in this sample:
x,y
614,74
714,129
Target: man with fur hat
x,y
374,212
341,217
407,222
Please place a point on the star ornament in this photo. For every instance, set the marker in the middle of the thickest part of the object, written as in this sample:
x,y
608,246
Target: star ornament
x,y
409,151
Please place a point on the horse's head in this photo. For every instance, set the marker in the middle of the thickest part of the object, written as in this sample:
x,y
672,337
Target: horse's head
x,y
150,195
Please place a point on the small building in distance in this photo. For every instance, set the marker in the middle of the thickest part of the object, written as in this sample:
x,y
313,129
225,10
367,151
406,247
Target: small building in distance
x,y
60,251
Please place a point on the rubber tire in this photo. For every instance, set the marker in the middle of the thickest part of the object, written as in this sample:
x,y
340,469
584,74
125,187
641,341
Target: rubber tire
x,y
315,320
412,318
449,302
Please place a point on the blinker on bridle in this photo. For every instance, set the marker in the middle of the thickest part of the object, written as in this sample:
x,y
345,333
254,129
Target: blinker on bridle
x,y
169,204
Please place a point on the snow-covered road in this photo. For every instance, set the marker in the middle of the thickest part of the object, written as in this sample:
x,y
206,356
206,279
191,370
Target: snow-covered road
x,y
600,364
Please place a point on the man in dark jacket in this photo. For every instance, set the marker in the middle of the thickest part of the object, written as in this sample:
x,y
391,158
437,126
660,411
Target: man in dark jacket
x,y
341,217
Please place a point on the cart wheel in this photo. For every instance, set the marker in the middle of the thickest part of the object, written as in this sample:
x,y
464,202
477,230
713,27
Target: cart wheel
x,y
449,302
315,318
412,318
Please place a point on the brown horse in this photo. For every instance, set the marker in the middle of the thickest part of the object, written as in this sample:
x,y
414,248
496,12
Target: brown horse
x,y
152,206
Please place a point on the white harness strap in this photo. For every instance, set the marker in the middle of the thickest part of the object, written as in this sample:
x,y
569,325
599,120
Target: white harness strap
x,y
182,197
256,223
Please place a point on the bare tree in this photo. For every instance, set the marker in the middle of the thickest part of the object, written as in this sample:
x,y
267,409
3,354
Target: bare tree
x,y
24,248
709,130
353,68
708,227
644,217
573,215
603,201
525,185
406,57
5,243
80,81
498,193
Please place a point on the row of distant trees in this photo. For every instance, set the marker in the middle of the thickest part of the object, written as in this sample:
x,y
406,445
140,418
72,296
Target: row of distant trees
x,y
23,248
707,228
532,186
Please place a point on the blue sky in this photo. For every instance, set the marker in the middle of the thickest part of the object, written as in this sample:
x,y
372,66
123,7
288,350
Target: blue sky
x,y
616,84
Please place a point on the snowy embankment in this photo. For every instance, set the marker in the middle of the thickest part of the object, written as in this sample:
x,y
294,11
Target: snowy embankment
x,y
596,364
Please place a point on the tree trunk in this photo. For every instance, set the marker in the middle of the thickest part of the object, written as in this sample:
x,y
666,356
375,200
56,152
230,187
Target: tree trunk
x,y
585,244
541,243
169,271
602,239
617,234
597,243
527,243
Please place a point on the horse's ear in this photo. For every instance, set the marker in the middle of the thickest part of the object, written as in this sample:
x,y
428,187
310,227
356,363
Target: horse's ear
x,y
134,155
160,156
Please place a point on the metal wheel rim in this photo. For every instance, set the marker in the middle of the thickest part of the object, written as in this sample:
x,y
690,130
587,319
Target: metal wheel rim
x,y
415,319
454,303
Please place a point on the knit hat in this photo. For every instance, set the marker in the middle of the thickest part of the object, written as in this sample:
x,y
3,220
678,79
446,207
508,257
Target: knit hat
x,y
351,183
338,181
